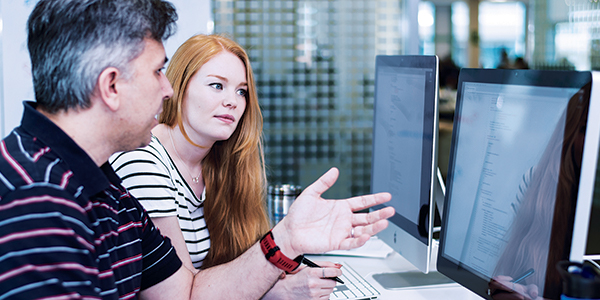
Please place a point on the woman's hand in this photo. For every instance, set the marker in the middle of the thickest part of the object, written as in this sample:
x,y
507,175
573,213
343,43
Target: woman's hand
x,y
306,283
502,288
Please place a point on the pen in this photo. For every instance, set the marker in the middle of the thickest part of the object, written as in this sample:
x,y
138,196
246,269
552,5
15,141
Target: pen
x,y
525,275
311,264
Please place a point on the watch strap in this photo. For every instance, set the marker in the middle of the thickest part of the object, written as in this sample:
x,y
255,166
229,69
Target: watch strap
x,y
274,255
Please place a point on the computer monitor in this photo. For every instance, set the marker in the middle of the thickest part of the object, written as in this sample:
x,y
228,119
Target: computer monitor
x,y
592,251
593,242
520,179
404,161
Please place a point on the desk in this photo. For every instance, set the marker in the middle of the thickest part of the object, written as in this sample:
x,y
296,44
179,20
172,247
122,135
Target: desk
x,y
396,263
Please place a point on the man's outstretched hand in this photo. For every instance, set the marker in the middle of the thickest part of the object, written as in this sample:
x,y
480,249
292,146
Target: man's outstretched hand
x,y
317,225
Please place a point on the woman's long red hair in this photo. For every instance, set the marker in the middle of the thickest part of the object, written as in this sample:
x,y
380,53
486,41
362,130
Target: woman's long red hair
x,y
233,170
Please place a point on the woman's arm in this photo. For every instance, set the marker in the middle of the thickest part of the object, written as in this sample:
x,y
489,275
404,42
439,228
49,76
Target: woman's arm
x,y
169,227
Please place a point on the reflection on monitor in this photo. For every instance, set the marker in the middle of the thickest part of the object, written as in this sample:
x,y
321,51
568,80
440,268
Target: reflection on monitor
x,y
405,151
520,180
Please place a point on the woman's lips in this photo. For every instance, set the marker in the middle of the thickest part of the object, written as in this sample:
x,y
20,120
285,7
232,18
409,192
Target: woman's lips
x,y
226,118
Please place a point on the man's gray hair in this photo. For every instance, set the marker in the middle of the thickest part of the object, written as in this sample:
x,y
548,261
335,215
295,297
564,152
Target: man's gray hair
x,y
72,41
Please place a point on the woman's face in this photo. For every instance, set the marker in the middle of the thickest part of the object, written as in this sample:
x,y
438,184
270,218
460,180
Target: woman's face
x,y
215,99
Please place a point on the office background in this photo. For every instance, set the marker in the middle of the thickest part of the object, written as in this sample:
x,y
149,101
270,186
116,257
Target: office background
x,y
314,63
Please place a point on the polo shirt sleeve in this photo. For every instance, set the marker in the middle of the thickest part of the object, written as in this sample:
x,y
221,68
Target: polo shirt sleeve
x,y
159,260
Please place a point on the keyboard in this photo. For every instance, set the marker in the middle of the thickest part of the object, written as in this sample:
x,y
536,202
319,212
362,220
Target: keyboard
x,y
354,287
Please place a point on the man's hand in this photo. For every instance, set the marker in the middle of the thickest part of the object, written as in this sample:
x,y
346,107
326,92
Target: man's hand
x,y
316,225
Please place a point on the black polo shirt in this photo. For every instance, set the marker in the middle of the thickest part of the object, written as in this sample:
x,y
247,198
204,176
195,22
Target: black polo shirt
x,y
67,227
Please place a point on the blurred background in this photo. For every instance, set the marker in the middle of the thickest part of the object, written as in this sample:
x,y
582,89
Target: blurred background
x,y
314,63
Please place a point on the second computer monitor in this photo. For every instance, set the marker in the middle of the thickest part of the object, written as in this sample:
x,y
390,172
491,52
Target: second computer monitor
x,y
520,179
404,160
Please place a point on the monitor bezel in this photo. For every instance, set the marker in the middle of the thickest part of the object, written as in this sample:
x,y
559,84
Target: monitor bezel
x,y
587,184
460,273
417,250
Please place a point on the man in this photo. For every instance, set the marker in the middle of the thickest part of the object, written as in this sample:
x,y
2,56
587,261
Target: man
x,y
68,229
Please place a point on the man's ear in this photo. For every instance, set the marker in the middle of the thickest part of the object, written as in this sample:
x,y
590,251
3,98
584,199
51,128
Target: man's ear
x,y
107,87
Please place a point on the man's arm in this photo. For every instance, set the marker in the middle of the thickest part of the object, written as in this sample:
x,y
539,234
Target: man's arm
x,y
247,277
46,246
313,225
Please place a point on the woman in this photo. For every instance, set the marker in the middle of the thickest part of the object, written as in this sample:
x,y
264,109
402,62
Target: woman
x,y
208,146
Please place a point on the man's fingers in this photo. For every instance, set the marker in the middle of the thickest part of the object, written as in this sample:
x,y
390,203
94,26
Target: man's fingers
x,y
362,234
317,188
366,201
371,229
359,219
357,241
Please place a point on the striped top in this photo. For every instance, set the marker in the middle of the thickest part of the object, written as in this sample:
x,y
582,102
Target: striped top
x,y
68,229
151,176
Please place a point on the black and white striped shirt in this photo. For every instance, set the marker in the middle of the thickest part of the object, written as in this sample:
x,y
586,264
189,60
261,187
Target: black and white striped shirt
x,y
151,176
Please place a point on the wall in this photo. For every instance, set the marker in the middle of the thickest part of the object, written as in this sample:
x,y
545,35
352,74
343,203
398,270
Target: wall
x,y
16,84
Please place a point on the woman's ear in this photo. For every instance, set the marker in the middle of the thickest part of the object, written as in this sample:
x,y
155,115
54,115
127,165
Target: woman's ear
x,y
107,87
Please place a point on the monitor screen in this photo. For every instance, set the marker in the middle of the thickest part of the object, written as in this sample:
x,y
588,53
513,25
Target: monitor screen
x,y
404,150
516,183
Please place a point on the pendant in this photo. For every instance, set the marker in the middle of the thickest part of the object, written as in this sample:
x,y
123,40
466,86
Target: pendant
x,y
195,179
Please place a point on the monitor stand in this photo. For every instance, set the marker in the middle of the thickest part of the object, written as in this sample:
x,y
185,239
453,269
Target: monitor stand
x,y
417,278
412,279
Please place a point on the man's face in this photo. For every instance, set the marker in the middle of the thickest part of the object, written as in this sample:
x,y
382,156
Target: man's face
x,y
142,96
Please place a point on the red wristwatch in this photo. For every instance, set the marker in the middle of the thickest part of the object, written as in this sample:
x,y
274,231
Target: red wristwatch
x,y
274,255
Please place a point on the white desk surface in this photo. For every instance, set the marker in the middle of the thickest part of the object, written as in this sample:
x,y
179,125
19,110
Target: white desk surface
x,y
396,263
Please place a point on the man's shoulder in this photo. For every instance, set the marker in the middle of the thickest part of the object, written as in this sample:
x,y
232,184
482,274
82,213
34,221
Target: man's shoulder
x,y
26,161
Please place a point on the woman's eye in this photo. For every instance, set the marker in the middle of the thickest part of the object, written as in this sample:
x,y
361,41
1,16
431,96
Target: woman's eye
x,y
243,93
216,86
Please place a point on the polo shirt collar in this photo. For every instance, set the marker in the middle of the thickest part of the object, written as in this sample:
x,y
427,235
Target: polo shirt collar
x,y
92,178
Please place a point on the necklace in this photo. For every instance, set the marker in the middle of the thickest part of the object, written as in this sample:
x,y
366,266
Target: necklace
x,y
194,179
